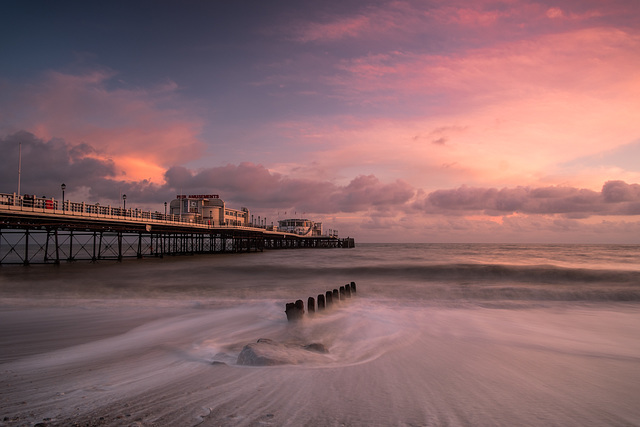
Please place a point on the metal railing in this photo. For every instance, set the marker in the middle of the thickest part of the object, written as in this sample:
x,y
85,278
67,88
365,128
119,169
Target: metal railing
x,y
42,205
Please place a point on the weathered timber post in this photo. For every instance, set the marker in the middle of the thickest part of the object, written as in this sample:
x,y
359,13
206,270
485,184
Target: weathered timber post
x,y
290,309
347,290
320,302
342,292
311,305
294,311
329,298
336,295
353,287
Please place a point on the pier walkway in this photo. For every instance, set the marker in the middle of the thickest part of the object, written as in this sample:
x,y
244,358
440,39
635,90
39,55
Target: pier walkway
x,y
44,231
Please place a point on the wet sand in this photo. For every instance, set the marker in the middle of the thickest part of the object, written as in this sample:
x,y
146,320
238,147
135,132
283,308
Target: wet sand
x,y
151,363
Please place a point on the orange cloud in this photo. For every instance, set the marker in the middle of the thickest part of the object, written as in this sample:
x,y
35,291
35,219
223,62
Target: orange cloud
x,y
132,127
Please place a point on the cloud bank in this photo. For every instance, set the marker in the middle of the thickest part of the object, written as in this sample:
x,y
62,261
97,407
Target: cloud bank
x,y
364,205
615,198
141,131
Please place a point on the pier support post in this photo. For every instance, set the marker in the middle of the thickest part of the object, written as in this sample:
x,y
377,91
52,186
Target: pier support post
x,y
70,258
139,254
320,302
329,298
57,261
100,245
93,258
46,249
26,247
119,246
311,305
336,295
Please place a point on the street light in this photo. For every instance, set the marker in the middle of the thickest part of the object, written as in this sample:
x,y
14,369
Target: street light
x,y
124,201
63,188
165,209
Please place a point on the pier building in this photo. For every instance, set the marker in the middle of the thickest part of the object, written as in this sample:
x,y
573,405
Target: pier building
x,y
209,209
301,227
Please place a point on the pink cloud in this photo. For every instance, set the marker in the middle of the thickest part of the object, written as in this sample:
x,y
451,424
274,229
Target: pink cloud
x,y
508,112
398,20
334,30
585,60
252,184
132,127
555,12
615,198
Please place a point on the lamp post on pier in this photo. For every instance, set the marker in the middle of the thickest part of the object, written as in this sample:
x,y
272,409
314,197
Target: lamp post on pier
x,y
63,187
165,209
124,201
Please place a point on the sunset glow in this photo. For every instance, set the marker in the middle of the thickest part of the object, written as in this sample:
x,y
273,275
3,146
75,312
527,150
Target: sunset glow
x,y
512,121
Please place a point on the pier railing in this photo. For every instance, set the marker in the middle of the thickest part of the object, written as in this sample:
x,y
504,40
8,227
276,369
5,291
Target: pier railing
x,y
40,230
49,206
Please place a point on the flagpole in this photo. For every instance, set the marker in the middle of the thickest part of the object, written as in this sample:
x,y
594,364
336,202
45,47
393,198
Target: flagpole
x,y
19,165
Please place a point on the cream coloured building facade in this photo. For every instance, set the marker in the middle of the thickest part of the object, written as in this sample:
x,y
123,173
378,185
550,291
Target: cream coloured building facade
x,y
208,209
301,227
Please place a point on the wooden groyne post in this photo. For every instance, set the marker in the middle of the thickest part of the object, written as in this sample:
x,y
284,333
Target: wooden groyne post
x,y
295,310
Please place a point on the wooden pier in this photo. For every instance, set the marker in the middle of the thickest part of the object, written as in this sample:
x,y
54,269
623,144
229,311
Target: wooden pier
x,y
40,232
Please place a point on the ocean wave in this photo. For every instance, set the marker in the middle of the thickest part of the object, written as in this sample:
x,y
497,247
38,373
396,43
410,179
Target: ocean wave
x,y
465,282
502,273
462,273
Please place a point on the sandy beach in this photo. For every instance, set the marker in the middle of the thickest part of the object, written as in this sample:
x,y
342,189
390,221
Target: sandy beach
x,y
91,363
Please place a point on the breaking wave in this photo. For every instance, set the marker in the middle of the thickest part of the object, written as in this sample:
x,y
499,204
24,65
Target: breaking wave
x,y
464,272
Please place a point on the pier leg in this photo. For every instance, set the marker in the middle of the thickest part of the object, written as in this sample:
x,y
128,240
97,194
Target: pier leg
x,y
94,259
26,247
320,302
70,246
57,247
100,245
119,246
329,298
46,248
336,295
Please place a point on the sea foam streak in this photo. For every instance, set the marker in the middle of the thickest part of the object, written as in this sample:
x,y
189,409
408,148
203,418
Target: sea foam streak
x,y
437,335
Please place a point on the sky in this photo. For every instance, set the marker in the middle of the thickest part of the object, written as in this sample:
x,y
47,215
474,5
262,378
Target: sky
x,y
514,121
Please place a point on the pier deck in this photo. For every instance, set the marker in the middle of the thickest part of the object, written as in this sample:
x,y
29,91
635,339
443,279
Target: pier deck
x,y
40,231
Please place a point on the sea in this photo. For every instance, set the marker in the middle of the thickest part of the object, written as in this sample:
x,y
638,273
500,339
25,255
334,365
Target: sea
x,y
436,334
